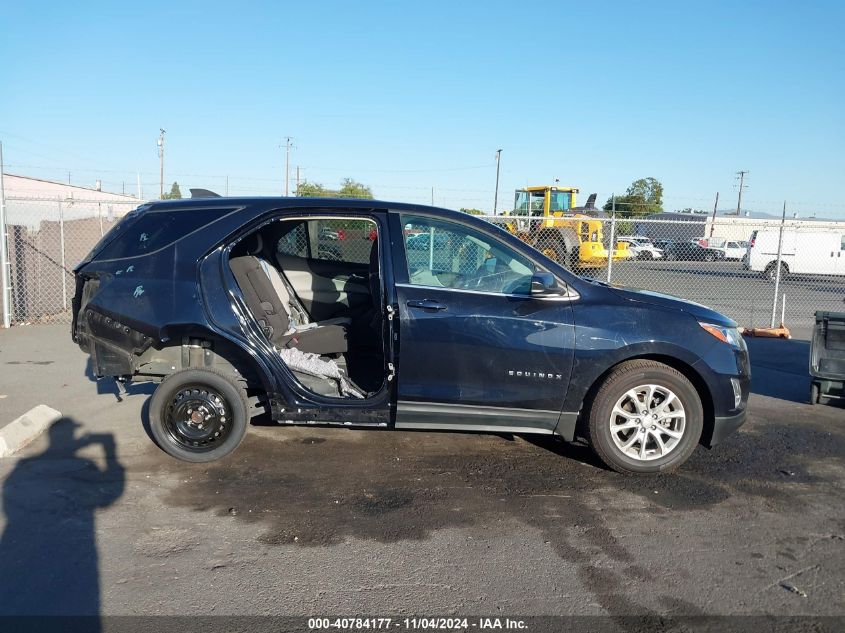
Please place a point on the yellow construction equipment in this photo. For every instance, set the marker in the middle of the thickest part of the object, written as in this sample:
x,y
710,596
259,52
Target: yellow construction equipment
x,y
547,218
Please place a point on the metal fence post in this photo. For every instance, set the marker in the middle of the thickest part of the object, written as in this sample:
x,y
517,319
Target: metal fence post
x,y
4,253
777,273
612,238
62,246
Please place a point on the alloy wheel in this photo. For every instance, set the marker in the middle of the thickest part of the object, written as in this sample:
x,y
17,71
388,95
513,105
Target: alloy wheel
x,y
647,422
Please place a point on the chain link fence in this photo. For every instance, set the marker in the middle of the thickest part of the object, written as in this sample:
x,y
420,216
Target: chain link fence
x,y
46,239
754,271
728,264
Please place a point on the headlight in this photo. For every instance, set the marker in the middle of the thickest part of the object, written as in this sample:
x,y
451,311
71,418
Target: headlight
x,y
729,335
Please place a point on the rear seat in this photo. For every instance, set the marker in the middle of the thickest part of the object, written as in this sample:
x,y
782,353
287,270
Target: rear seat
x,y
281,317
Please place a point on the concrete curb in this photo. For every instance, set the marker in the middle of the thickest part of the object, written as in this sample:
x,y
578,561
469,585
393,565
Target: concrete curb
x,y
20,432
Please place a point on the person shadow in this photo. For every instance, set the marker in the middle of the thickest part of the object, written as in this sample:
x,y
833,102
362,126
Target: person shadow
x,y
48,549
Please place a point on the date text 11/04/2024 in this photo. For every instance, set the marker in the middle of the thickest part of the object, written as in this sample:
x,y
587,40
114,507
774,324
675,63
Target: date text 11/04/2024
x,y
414,624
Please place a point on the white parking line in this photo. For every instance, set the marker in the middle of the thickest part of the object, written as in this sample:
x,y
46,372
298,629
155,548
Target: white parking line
x,y
20,432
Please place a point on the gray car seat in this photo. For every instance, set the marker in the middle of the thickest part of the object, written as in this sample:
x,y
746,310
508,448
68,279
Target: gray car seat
x,y
277,310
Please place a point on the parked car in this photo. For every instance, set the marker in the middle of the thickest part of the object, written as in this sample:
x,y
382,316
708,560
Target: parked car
x,y
222,299
421,241
690,251
734,249
816,253
642,247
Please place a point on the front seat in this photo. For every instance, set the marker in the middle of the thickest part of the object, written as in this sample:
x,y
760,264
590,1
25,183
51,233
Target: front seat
x,y
273,304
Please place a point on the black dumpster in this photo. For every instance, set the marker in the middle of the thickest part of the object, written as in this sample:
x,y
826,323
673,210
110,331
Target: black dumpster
x,y
827,358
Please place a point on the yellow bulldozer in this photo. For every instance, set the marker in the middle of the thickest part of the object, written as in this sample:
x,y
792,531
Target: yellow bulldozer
x,y
547,218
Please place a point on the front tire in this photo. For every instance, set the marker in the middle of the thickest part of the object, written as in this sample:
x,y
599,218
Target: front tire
x,y
646,417
199,415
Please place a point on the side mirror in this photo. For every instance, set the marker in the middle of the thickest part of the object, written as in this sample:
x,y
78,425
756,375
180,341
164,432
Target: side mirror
x,y
544,284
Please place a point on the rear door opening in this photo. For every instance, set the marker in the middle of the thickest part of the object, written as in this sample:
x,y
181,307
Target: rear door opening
x,y
314,285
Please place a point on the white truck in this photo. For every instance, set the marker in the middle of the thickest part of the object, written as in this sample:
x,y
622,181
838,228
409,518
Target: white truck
x,y
809,253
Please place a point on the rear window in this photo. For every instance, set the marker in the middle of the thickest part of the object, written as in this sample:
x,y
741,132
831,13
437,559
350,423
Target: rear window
x,y
153,231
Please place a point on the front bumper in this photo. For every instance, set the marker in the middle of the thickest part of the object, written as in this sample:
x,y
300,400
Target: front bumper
x,y
724,426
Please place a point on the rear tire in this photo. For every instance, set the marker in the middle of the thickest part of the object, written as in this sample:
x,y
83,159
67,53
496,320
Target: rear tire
x,y
658,431
770,271
814,393
199,415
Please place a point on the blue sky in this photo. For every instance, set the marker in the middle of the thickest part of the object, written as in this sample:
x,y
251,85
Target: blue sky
x,y
409,96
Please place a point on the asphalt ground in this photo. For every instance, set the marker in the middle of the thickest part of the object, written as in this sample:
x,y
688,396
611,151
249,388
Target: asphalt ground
x,y
313,521
741,294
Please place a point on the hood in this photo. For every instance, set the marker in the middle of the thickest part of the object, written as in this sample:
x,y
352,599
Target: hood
x,y
696,310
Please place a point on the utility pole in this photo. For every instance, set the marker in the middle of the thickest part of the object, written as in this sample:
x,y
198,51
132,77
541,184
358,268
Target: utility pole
x,y
496,196
297,181
713,222
742,185
432,196
287,147
5,265
161,163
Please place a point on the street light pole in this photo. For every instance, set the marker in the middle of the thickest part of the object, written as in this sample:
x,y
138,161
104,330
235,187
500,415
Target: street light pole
x,y
161,163
496,196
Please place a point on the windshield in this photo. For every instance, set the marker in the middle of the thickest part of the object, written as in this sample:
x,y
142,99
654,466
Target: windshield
x,y
560,201
526,201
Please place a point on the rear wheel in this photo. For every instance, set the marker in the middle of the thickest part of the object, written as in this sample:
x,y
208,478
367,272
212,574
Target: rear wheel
x,y
771,270
199,415
645,418
709,257
646,255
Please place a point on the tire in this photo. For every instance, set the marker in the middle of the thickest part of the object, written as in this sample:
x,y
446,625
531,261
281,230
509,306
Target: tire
x,y
556,251
639,376
177,408
770,271
670,257
709,257
648,255
814,393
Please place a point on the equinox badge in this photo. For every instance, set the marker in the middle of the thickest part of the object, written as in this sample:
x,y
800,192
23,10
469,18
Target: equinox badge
x,y
534,374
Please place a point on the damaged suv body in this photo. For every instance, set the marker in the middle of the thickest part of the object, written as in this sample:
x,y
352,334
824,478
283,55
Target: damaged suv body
x,y
365,313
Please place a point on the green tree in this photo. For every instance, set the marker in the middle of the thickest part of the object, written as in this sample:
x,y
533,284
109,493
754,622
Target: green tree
x,y
174,193
348,189
312,190
643,197
472,211
352,189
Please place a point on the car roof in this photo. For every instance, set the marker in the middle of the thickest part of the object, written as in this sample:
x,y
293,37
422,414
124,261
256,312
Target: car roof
x,y
290,202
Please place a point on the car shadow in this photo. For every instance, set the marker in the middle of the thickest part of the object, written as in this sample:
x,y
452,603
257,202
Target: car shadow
x,y
780,368
48,549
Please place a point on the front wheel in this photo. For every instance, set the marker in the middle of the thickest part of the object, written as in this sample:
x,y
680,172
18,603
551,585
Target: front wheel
x,y
199,415
646,417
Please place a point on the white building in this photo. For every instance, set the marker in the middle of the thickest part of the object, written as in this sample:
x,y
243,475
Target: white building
x,y
30,201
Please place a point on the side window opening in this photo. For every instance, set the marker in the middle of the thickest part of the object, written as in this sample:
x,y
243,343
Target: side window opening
x,y
449,255
342,240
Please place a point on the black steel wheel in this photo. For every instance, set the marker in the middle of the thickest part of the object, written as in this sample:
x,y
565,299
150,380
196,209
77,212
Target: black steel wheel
x,y
199,415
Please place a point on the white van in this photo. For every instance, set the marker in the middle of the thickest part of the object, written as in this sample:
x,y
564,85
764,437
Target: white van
x,y
801,253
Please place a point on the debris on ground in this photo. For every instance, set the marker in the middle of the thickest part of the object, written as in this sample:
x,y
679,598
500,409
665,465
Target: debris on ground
x,y
793,589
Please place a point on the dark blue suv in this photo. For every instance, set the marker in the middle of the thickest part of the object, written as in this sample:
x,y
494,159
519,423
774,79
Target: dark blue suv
x,y
366,313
